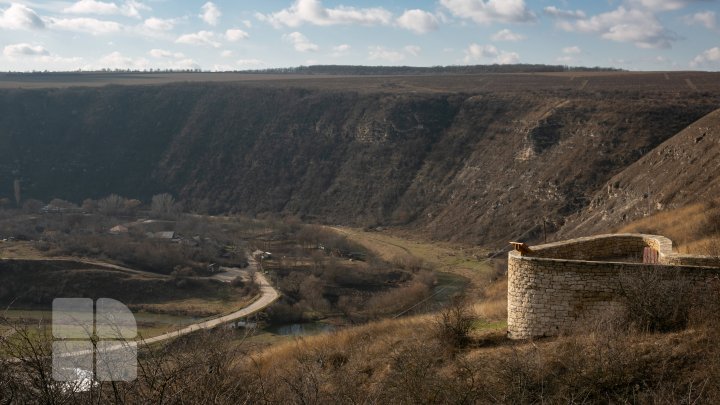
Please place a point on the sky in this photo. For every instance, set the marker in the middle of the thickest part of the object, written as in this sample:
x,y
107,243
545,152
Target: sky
x,y
223,35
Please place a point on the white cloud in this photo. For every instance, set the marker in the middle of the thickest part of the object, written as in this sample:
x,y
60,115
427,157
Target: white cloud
x,y
236,34
130,8
202,38
300,42
18,16
479,53
571,50
384,54
706,18
35,57
566,59
661,5
708,58
490,11
24,50
227,54
92,7
393,56
159,24
507,58
250,64
507,35
247,23
567,14
313,12
475,52
210,13
163,54
418,21
85,25
182,64
340,50
639,27
413,50
223,68
116,60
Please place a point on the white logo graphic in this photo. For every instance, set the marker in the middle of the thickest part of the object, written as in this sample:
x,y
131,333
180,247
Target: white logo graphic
x,y
84,337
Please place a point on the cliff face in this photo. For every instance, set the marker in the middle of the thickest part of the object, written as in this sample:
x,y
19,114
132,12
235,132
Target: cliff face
x,y
679,171
478,166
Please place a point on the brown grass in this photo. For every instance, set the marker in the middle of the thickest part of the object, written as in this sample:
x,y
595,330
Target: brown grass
x,y
398,247
493,305
686,226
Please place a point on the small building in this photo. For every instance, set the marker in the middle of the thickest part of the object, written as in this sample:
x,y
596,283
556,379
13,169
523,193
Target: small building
x,y
166,235
119,230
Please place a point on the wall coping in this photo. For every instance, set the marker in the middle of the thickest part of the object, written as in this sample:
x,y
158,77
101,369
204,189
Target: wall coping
x,y
663,245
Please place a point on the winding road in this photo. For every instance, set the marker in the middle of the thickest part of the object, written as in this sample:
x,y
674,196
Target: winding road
x,y
268,295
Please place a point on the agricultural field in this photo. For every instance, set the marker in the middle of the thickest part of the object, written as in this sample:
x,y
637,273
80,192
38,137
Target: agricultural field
x,y
580,81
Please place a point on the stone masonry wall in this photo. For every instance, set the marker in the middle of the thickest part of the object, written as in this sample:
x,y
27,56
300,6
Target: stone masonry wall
x,y
552,289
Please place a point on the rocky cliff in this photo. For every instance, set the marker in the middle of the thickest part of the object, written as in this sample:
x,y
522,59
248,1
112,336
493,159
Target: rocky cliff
x,y
680,171
482,162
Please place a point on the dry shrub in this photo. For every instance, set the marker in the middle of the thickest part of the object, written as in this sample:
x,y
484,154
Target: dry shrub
x,y
657,298
454,323
705,310
710,225
417,374
398,299
409,262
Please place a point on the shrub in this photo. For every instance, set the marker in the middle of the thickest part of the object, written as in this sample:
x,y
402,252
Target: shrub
x,y
238,282
454,323
656,298
112,205
164,206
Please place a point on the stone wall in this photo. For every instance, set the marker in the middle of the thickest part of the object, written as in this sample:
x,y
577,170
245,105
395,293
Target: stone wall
x,y
555,287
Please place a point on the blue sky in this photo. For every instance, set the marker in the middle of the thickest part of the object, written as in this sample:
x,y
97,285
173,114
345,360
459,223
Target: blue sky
x,y
247,34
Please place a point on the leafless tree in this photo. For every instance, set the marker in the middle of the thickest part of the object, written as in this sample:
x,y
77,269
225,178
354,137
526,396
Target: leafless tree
x,y
164,206
16,188
112,205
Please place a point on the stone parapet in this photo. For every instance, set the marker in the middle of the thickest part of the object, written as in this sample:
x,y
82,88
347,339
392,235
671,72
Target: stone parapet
x,y
559,284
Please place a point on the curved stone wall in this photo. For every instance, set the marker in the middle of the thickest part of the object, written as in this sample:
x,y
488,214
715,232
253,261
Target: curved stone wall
x,y
558,284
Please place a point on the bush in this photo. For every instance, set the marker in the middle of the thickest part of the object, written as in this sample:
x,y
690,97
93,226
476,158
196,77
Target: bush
x,y
112,205
238,282
657,299
164,206
454,323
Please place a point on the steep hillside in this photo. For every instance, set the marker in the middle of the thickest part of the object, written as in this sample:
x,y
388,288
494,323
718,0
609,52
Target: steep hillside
x,y
474,158
680,171
694,228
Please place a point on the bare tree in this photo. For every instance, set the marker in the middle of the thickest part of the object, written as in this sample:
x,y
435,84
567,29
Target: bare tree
x,y
16,187
164,206
112,205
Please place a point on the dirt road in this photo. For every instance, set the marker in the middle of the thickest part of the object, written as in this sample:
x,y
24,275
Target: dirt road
x,y
268,295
